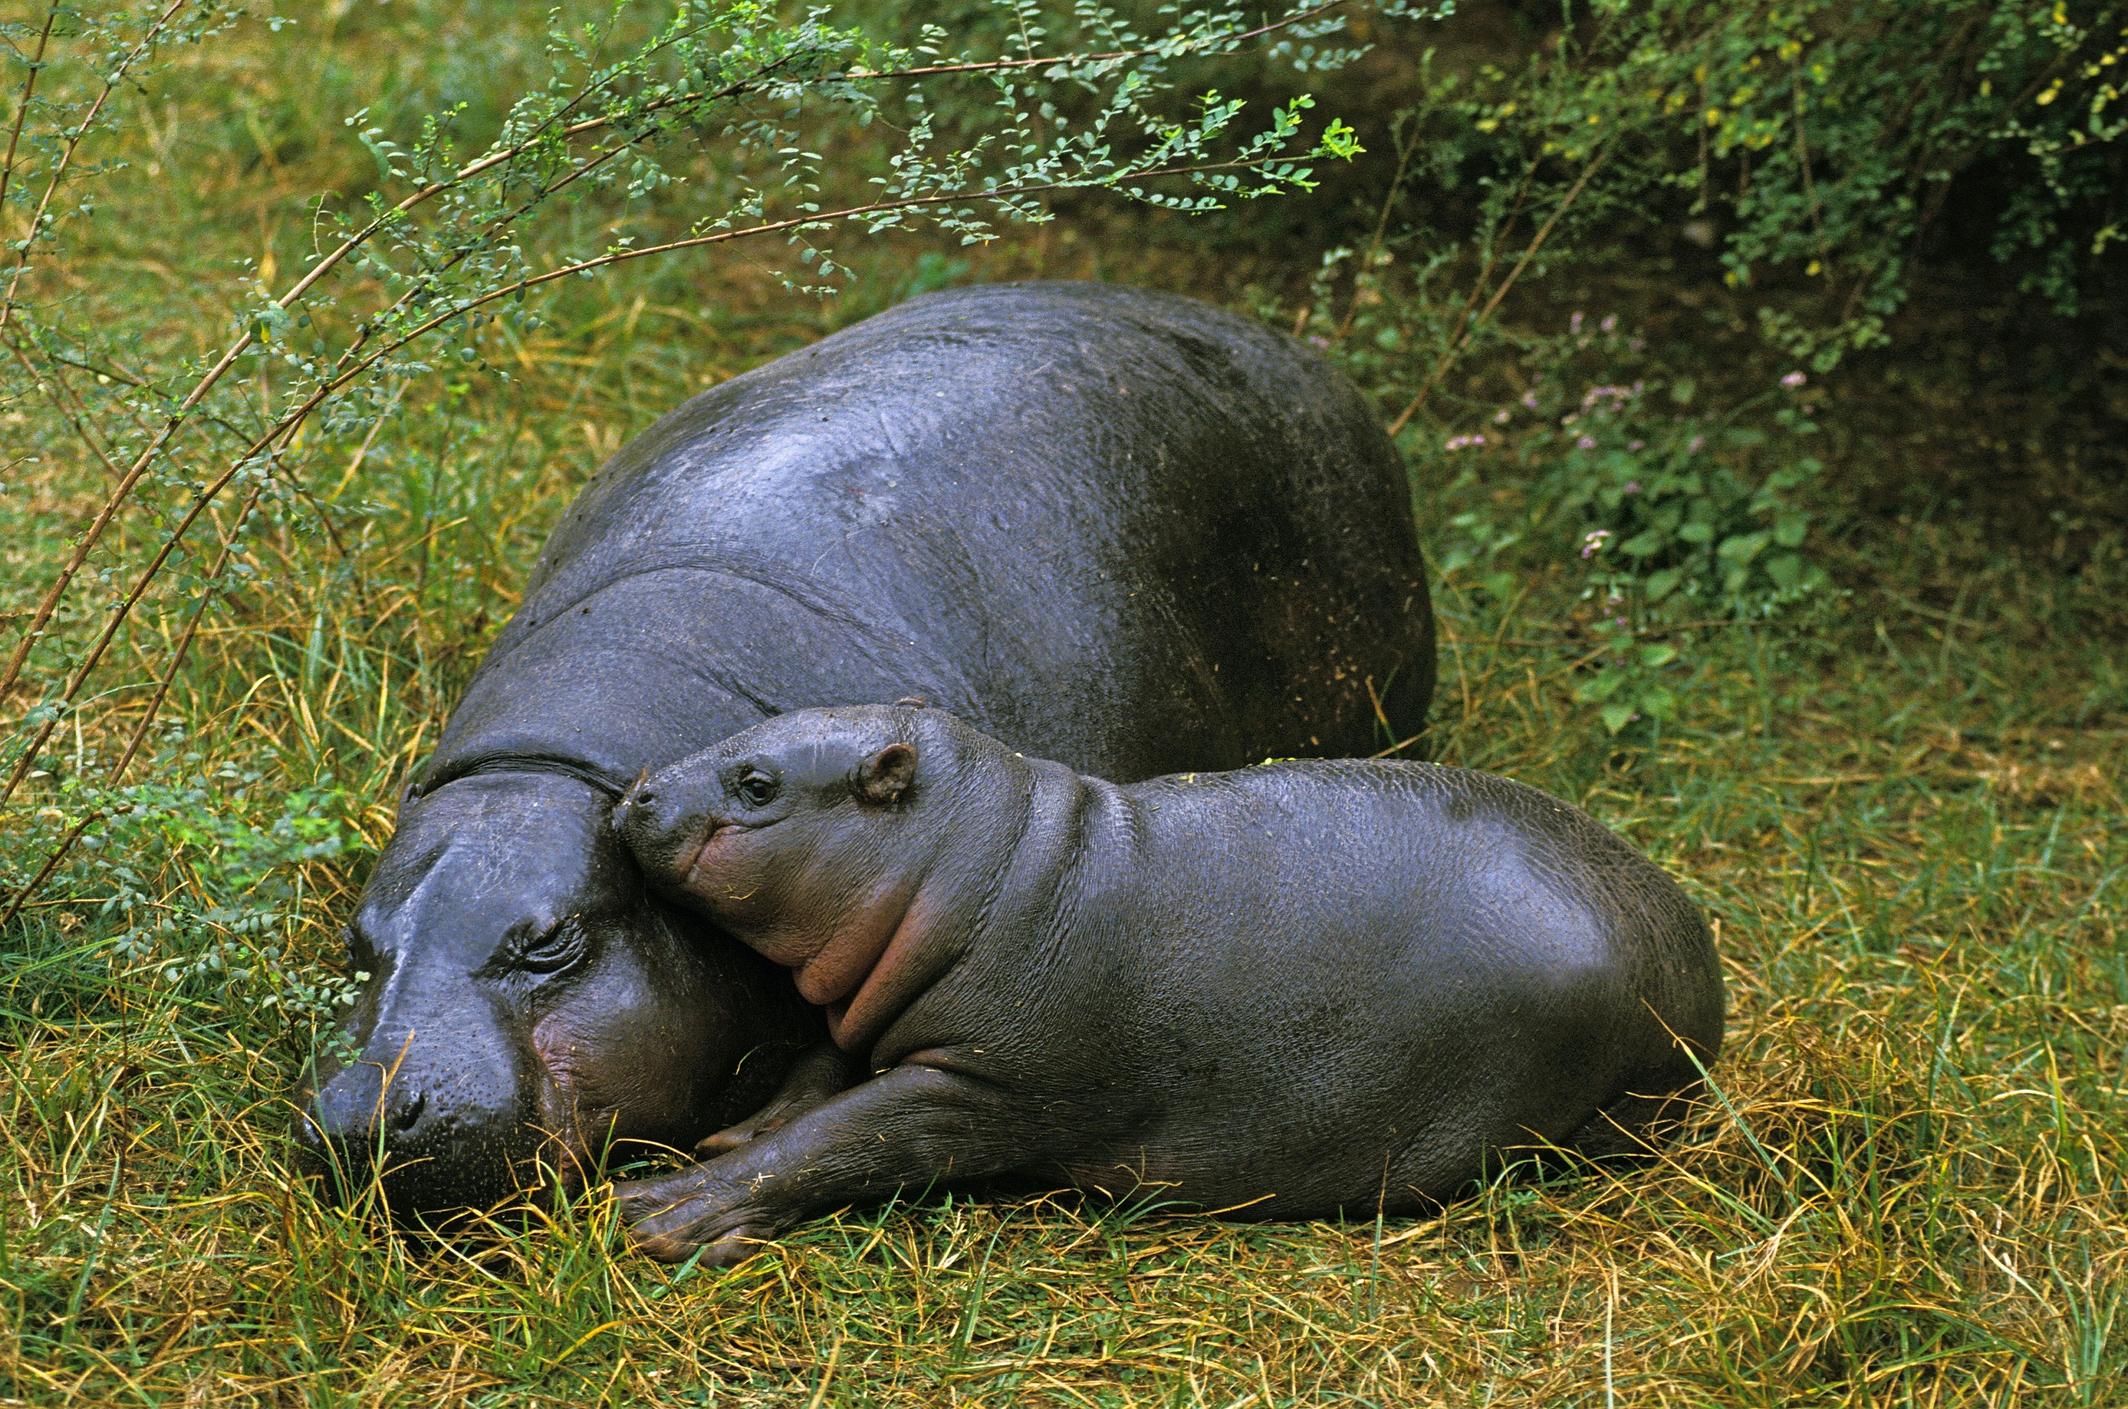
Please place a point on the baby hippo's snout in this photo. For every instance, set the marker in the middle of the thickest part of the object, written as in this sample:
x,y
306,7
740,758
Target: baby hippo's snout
x,y
639,793
652,821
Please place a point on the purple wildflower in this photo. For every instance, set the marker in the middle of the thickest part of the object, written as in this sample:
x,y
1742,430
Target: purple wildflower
x,y
1592,542
1587,442
1794,380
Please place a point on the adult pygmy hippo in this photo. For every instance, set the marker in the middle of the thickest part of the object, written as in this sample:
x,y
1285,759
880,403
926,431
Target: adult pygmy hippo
x,y
1293,989
1120,528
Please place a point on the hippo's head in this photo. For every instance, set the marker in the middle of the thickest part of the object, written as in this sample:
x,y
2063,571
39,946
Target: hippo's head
x,y
789,832
527,1002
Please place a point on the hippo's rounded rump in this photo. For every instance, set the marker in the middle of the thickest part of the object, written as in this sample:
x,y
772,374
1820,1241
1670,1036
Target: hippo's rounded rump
x,y
1114,528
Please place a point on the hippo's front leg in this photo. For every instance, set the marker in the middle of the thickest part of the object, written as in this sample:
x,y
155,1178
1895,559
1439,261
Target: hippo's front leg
x,y
821,1074
911,1127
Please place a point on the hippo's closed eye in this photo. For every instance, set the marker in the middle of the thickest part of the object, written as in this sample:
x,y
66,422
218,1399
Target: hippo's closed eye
x,y
561,947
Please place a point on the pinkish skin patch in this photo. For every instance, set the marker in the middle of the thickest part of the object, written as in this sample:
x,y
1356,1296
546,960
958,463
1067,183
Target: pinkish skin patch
x,y
561,1112
580,1105
847,961
694,867
851,976
857,1019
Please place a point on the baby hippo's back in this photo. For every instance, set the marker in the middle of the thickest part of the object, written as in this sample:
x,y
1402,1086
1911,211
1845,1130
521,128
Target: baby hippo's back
x,y
1351,984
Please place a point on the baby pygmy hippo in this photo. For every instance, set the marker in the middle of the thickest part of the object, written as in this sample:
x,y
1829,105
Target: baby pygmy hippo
x,y
1283,991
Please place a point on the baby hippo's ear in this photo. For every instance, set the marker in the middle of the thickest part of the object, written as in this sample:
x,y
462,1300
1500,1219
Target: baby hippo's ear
x,y
886,775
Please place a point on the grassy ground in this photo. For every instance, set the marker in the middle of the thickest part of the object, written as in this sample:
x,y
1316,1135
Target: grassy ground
x,y
1911,1186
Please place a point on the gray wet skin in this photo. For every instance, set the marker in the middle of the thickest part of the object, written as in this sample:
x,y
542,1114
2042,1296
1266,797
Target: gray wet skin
x,y
1285,991
1120,528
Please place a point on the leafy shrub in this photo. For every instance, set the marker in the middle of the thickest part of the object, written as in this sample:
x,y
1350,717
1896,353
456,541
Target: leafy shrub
x,y
1813,149
205,881
1673,515
1819,141
1671,499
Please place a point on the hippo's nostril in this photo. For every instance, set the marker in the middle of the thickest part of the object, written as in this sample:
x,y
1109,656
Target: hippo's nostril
x,y
409,1111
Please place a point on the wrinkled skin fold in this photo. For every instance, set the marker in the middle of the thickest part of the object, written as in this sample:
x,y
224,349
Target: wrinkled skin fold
x,y
1297,989
1119,528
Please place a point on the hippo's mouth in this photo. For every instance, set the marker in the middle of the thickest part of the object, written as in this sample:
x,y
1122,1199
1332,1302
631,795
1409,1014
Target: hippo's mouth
x,y
710,834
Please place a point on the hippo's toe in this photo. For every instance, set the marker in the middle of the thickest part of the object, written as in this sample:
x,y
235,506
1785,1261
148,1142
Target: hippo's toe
x,y
670,1220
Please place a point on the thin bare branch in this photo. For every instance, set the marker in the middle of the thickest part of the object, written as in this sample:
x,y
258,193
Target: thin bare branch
x,y
1529,252
22,107
48,606
66,157
64,400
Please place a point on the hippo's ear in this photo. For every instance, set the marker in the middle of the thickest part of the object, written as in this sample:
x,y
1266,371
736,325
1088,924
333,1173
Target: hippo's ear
x,y
886,775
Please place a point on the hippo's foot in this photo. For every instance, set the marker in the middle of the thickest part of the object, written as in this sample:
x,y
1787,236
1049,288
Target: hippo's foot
x,y
769,1118
671,1218
821,1073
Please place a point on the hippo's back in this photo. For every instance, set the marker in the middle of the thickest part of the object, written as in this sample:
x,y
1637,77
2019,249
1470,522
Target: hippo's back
x,y
1446,882
1118,528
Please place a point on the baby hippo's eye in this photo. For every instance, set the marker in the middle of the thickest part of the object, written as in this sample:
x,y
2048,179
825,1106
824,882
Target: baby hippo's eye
x,y
756,788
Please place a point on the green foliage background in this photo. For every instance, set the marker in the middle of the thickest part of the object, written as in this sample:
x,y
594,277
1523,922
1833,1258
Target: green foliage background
x,y
1758,371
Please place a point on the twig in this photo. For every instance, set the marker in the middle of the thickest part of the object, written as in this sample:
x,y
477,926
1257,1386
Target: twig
x,y
72,414
29,91
66,155
1463,336
1381,230
51,864
139,467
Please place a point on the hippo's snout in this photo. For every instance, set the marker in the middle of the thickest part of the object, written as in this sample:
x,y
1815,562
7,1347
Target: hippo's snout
x,y
425,1148
344,1120
664,835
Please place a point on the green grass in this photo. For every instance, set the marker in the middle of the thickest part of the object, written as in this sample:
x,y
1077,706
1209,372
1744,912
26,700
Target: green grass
x,y
1910,1185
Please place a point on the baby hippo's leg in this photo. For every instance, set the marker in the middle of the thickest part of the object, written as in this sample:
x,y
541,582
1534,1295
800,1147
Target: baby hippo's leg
x,y
821,1073
911,1127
